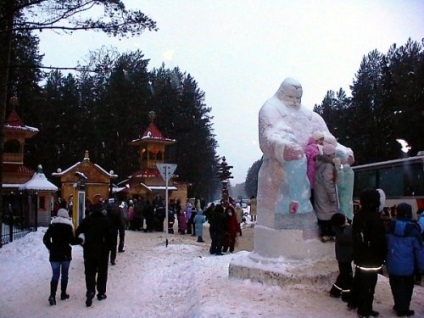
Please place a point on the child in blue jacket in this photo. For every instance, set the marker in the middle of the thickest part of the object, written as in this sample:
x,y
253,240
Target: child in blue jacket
x,y
405,255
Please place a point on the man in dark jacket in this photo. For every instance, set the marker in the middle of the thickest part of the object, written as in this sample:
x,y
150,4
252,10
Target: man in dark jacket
x,y
118,223
405,256
217,221
369,252
344,251
96,232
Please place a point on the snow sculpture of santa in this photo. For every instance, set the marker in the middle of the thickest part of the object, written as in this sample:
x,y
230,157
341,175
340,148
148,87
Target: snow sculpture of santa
x,y
283,187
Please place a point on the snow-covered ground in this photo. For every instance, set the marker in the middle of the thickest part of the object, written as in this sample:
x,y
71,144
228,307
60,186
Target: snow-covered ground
x,y
151,280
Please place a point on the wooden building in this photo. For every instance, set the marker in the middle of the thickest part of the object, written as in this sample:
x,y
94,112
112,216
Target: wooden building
x,y
147,181
29,203
82,184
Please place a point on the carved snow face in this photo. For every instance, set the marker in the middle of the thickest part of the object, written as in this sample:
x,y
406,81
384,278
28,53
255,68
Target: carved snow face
x,y
292,95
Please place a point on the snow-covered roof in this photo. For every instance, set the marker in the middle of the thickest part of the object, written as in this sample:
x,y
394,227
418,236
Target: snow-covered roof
x,y
157,187
162,188
14,122
38,182
61,173
11,185
152,133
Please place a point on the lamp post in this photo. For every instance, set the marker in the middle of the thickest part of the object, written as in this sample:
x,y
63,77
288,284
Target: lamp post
x,y
111,172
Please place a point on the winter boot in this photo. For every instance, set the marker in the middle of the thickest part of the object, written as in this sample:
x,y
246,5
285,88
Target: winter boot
x,y
53,288
346,296
89,300
63,286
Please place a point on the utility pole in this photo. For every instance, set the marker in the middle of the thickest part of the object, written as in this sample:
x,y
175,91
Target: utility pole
x,y
6,34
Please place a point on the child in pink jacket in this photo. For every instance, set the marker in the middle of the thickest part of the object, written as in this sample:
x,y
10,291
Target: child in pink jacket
x,y
313,149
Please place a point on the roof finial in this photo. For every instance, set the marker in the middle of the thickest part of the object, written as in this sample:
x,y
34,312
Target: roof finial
x,y
14,101
86,156
39,169
152,116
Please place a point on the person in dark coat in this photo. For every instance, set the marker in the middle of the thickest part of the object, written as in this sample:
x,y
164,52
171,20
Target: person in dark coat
x,y
138,214
405,255
369,252
58,239
118,223
96,232
149,215
344,254
217,222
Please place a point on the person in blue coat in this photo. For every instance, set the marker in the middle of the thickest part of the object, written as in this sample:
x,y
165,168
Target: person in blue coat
x,y
199,219
405,254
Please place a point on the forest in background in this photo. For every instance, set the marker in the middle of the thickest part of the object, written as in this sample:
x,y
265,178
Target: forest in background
x,y
104,104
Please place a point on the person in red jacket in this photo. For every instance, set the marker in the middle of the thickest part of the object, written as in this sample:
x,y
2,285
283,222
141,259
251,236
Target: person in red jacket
x,y
232,228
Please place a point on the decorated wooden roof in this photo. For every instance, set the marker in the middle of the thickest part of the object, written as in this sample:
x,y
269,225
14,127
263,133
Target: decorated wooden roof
x,y
152,134
146,173
17,169
14,122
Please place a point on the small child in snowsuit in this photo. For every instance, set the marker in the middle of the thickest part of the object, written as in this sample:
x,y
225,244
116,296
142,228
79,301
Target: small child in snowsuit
x,y
199,219
344,255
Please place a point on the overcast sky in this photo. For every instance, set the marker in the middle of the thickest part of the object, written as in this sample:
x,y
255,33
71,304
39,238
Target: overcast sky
x,y
239,52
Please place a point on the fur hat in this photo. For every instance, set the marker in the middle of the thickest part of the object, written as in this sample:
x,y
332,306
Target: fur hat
x,y
338,219
370,199
328,149
404,211
63,213
317,135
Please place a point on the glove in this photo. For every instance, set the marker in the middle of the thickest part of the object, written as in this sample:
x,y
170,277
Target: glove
x,y
81,236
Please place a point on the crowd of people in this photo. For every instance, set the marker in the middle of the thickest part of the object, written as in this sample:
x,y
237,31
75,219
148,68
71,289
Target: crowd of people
x,y
375,244
368,238
378,245
102,235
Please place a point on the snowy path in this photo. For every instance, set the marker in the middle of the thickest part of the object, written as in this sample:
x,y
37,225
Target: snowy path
x,y
154,281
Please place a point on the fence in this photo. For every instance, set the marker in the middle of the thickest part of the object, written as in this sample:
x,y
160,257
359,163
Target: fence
x,y
11,232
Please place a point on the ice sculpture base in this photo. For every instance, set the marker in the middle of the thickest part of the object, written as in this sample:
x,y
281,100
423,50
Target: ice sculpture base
x,y
283,272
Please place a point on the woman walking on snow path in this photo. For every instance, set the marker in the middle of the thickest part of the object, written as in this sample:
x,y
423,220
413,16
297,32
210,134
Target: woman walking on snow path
x,y
58,239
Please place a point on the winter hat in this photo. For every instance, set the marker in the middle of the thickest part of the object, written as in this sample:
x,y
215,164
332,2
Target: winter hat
x,y
370,199
382,200
338,219
317,135
329,149
63,213
404,211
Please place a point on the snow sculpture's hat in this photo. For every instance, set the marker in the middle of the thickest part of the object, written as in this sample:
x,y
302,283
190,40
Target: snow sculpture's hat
x,y
63,213
329,149
317,135
404,211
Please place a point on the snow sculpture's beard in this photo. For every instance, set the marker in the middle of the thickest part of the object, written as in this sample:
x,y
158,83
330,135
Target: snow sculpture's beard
x,y
291,102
